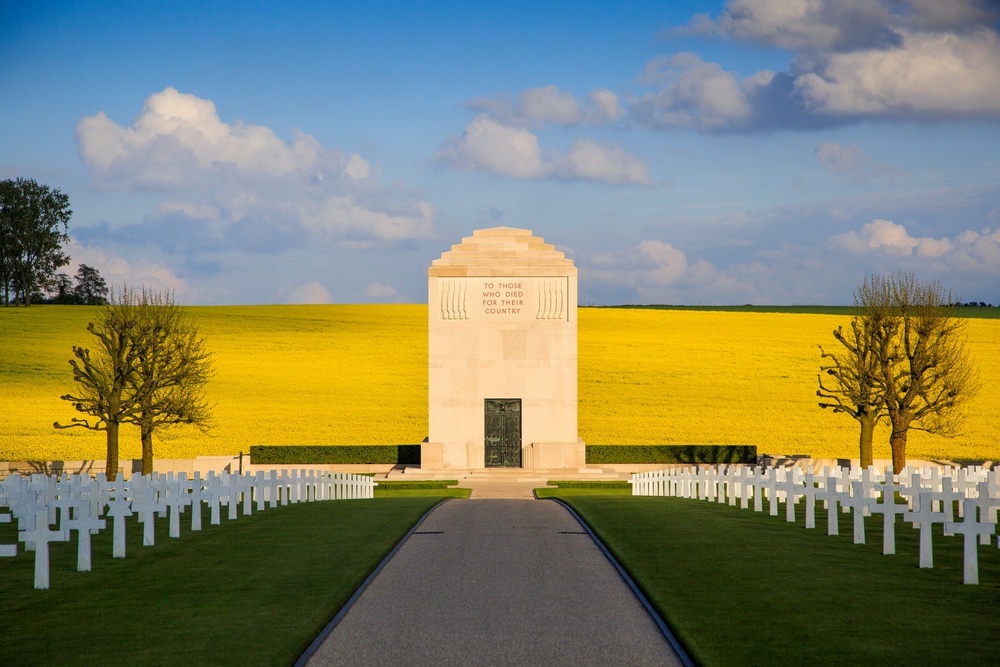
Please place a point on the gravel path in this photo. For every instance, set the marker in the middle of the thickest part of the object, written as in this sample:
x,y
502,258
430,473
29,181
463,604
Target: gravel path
x,y
497,582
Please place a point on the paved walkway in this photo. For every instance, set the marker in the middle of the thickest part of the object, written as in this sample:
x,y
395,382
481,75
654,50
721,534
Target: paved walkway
x,y
497,582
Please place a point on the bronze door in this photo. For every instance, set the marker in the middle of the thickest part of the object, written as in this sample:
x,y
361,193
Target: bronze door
x,y
503,433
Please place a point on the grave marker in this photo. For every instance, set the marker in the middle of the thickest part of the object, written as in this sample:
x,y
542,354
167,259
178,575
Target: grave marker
x,y
41,536
970,529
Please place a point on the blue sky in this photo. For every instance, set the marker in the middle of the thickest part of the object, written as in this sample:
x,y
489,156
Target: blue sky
x,y
749,151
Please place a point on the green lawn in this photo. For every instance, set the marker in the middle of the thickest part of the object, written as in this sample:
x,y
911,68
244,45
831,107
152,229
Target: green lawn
x,y
254,591
741,588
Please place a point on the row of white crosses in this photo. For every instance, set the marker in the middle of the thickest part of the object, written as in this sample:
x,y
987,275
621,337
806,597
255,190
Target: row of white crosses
x,y
931,495
78,503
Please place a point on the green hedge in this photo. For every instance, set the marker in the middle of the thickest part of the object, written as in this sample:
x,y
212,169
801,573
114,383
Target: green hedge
x,y
595,484
417,484
671,454
339,454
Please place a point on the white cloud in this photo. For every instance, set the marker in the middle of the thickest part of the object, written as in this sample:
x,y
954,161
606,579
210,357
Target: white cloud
x,y
797,24
308,293
851,59
837,25
117,271
591,161
929,74
244,174
488,145
496,148
693,93
380,290
549,104
653,268
967,251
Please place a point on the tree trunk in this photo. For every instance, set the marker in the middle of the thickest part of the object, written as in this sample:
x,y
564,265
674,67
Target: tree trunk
x,y
111,470
146,435
867,434
897,442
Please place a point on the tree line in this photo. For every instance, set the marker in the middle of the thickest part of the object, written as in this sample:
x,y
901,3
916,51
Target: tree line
x,y
34,225
902,361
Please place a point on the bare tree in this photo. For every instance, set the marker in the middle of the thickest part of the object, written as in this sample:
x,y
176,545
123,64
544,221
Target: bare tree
x,y
853,374
171,372
904,360
928,375
105,378
150,370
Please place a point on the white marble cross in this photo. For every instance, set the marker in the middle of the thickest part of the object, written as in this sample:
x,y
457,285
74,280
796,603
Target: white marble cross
x,y
809,491
84,523
925,517
970,528
176,501
859,502
888,508
988,506
831,496
791,488
118,509
147,507
41,536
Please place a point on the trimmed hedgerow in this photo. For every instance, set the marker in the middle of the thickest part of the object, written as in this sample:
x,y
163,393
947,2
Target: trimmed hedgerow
x,y
671,454
338,454
591,484
417,484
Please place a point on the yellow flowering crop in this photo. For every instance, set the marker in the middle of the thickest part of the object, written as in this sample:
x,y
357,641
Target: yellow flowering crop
x,y
358,374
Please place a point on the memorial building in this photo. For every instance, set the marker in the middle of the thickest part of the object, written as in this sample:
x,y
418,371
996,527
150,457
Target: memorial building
x,y
502,355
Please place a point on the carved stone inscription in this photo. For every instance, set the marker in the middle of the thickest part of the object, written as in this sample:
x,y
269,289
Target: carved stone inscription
x,y
500,298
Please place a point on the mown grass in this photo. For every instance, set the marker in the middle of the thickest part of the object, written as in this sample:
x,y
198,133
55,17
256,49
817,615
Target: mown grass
x,y
255,591
310,375
742,588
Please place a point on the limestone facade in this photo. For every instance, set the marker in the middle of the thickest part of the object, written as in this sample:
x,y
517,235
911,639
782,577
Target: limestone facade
x,y
502,325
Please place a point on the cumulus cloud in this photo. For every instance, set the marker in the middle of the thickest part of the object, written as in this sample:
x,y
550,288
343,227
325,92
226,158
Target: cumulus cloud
x,y
652,268
695,93
380,290
308,293
837,25
118,271
549,104
976,251
246,176
928,75
487,145
851,60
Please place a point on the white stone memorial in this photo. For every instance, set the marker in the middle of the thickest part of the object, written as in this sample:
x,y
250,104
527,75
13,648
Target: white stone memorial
x,y
502,355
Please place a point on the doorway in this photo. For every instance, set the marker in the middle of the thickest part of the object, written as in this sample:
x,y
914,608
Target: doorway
x,y
503,433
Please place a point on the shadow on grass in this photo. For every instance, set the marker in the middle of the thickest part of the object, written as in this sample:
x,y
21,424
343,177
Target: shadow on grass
x,y
740,588
255,591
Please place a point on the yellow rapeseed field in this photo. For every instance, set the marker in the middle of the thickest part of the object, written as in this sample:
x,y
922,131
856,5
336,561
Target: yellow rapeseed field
x,y
358,374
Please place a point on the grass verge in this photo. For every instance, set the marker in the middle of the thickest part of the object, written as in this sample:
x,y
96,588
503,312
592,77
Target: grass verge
x,y
741,588
420,492
250,592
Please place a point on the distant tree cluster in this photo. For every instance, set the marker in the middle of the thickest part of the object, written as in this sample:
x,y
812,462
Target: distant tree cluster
x,y
973,304
902,361
148,367
90,290
34,221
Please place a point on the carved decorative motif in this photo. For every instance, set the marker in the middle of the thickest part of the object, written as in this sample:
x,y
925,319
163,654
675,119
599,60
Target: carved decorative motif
x,y
453,300
551,300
